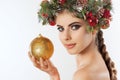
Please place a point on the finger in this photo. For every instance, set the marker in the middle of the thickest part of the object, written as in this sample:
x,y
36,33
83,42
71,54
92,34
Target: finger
x,y
35,62
48,62
30,55
37,65
41,62
33,59
45,63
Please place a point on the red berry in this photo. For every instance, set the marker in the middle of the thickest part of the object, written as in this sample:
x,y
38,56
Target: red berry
x,y
92,21
89,15
52,23
62,1
44,15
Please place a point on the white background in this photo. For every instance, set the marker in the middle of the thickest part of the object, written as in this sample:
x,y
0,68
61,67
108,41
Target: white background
x,y
19,25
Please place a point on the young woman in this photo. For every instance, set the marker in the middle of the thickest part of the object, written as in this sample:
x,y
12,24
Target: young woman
x,y
80,32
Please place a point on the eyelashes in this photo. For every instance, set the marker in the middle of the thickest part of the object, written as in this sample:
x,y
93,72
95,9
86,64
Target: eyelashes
x,y
75,27
60,29
72,27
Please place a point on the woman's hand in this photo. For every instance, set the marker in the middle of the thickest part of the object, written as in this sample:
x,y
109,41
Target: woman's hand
x,y
46,66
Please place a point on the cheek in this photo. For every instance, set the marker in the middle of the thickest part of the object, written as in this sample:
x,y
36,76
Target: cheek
x,y
83,41
87,39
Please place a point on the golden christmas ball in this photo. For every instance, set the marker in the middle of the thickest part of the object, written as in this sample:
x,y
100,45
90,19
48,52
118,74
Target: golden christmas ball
x,y
41,47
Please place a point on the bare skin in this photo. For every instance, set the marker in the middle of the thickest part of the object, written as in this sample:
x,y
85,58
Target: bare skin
x,y
79,42
46,66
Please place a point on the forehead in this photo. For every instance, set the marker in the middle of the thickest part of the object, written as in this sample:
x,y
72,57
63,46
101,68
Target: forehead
x,y
66,18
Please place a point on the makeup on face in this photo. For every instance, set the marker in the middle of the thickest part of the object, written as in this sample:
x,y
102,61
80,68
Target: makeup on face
x,y
73,26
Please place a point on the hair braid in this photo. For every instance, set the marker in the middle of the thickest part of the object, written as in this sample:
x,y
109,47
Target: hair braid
x,y
102,49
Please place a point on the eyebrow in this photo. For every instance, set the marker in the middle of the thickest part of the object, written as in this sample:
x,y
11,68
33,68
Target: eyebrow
x,y
69,24
74,23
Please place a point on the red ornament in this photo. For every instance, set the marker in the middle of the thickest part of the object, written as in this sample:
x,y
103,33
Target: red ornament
x,y
62,1
106,14
89,15
45,15
92,20
52,23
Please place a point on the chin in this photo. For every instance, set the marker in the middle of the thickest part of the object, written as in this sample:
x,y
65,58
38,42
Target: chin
x,y
76,51
71,52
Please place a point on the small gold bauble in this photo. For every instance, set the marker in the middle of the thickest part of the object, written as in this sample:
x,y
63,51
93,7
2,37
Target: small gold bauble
x,y
41,47
104,27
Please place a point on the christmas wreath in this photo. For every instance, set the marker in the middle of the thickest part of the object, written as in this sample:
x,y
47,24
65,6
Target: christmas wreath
x,y
95,12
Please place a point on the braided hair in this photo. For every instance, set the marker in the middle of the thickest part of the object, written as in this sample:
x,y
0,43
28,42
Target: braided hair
x,y
102,49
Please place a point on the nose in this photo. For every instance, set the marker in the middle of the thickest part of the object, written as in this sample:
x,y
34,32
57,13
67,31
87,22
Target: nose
x,y
66,35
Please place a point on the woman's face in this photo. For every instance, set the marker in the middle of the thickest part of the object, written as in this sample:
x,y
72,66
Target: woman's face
x,y
72,32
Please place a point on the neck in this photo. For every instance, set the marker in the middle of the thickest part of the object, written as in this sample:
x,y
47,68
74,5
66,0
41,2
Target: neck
x,y
88,56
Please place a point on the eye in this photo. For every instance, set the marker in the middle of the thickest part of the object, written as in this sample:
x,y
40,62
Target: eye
x,y
75,27
60,29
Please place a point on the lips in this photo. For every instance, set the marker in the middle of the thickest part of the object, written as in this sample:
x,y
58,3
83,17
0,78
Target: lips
x,y
70,46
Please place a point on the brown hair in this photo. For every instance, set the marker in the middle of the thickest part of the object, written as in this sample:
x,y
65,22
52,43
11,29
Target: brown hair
x,y
102,49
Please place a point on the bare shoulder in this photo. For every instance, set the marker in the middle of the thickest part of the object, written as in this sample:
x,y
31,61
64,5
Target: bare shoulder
x,y
86,74
82,74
